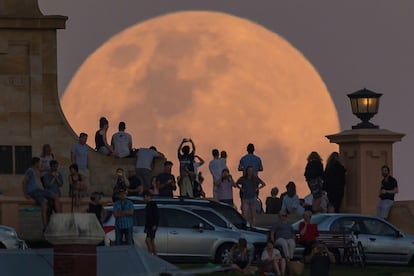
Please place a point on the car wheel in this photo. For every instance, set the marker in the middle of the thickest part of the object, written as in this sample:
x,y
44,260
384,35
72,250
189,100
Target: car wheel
x,y
223,254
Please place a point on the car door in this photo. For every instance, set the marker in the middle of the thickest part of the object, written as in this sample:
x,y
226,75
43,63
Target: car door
x,y
382,242
185,237
139,235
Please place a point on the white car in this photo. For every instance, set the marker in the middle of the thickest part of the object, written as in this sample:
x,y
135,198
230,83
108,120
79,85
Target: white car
x,y
181,235
9,239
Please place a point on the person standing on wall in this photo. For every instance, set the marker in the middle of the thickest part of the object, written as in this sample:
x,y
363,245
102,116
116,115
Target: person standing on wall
x,y
389,187
334,180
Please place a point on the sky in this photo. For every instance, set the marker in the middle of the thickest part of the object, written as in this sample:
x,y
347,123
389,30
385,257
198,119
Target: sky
x,y
352,44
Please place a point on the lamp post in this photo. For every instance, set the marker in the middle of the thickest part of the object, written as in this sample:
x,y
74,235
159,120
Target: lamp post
x,y
364,104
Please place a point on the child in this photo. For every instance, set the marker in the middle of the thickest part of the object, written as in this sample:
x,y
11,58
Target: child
x,y
95,206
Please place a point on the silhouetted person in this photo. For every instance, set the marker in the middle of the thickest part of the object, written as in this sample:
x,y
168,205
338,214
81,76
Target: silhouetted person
x,y
273,203
389,187
334,181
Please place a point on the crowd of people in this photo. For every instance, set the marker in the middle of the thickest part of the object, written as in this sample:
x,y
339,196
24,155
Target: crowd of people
x,y
326,186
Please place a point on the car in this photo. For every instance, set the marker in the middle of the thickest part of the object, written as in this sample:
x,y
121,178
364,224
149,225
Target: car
x,y
228,211
256,238
382,242
181,236
9,239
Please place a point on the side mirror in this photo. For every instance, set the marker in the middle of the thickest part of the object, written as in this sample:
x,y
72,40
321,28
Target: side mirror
x,y
200,227
397,234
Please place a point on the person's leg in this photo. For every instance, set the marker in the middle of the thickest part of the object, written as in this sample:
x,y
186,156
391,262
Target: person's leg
x,y
283,243
282,267
291,245
387,204
128,236
275,266
252,211
245,209
43,211
118,236
316,205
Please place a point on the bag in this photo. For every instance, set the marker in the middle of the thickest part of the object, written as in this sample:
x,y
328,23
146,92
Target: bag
x,y
295,267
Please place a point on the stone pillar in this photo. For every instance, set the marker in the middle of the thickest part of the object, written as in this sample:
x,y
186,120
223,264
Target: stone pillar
x,y
363,152
74,237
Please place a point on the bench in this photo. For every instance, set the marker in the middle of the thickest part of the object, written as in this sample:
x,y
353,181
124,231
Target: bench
x,y
335,241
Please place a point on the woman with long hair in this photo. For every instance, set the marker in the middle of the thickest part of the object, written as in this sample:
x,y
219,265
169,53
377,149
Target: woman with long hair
x,y
314,177
334,180
249,184
225,187
101,142
45,157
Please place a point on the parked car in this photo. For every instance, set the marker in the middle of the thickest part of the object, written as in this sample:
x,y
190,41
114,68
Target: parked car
x,y
228,211
256,238
382,241
181,235
9,239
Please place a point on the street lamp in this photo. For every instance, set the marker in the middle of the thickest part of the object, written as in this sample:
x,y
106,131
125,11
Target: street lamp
x,y
365,104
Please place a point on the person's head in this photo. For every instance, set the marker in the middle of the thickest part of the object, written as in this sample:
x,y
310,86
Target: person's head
x,y
103,123
269,244
153,148
46,150
83,137
168,166
96,197
291,189
215,153
73,168
223,154
35,162
250,148
121,126
186,149
120,172
333,157
274,192
122,194
314,156
53,164
283,215
242,243
248,172
385,171
307,215
147,195
225,173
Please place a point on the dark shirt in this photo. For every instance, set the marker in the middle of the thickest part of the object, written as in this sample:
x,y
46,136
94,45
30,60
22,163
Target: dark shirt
x,y
273,205
167,190
388,184
134,183
97,210
334,178
99,141
151,215
186,162
314,169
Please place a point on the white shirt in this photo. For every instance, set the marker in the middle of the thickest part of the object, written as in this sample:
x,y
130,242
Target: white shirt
x,y
216,167
145,157
121,141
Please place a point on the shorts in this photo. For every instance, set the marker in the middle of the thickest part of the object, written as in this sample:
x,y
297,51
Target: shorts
x,y
151,233
40,196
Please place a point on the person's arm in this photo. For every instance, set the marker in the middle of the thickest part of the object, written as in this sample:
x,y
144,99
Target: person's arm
x,y
261,184
260,165
241,167
193,146
24,186
72,157
302,228
179,148
106,141
200,159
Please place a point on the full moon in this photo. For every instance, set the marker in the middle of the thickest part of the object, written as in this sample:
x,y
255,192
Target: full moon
x,y
221,80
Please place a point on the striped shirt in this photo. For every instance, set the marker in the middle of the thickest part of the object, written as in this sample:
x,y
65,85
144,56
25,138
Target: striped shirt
x,y
127,221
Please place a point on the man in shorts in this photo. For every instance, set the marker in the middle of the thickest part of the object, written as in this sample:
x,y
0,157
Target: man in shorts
x,y
151,221
31,190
